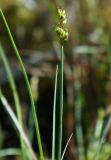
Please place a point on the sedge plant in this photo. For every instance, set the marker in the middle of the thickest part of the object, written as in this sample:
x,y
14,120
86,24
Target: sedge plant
x,y
63,36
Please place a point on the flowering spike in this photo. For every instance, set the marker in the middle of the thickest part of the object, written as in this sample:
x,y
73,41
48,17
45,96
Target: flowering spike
x,y
60,28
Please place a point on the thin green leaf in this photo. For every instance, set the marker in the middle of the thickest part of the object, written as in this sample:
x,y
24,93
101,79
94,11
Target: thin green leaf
x,y
54,116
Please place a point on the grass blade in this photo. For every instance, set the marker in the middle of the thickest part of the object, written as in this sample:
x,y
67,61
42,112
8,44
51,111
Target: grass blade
x,y
12,83
61,102
16,122
54,116
27,83
66,146
9,152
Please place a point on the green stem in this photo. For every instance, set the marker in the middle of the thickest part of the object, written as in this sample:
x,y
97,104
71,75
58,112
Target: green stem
x,y
54,116
61,102
27,83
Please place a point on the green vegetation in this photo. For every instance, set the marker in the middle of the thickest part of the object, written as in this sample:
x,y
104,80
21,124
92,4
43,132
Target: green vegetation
x,y
88,127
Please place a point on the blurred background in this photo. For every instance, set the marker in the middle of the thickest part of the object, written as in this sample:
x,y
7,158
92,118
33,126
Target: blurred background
x,y
87,68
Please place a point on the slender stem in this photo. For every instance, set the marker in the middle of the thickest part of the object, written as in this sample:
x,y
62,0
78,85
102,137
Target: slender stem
x,y
61,102
54,116
27,83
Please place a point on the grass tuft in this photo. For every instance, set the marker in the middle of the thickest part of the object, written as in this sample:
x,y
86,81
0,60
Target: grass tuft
x,y
27,83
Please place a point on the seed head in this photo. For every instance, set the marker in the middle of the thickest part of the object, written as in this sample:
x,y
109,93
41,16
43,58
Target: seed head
x,y
60,28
